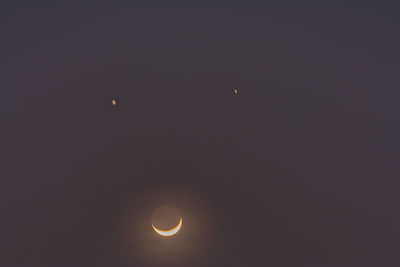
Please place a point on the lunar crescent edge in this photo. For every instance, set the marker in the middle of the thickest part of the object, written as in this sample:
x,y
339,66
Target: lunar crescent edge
x,y
170,232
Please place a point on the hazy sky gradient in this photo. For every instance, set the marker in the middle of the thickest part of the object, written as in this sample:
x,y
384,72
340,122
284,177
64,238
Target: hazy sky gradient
x,y
300,169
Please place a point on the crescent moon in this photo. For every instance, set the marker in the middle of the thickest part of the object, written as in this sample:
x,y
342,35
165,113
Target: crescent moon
x,y
170,232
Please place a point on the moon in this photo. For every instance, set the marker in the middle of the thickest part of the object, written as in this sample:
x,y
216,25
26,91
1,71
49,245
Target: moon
x,y
170,232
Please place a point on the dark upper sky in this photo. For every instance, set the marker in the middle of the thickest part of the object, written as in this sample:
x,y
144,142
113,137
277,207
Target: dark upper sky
x,y
300,169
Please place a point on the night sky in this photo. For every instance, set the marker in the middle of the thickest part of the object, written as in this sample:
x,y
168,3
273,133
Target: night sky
x,y
301,168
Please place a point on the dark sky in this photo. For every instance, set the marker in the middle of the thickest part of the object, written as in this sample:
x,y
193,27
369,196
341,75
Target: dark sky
x,y
300,169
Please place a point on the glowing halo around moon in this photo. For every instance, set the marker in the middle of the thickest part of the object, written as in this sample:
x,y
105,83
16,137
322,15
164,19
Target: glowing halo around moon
x,y
170,232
